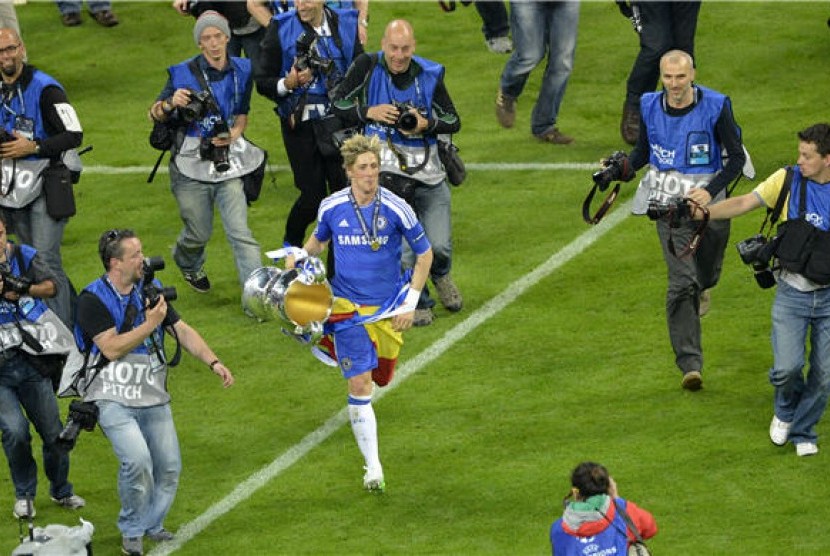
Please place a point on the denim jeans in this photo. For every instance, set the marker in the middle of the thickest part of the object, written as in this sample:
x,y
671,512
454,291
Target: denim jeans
x,y
22,385
144,441
196,200
33,226
432,205
666,26
541,28
495,22
74,7
799,401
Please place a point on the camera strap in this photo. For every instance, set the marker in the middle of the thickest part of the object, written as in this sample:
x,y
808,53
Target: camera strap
x,y
774,214
674,219
606,204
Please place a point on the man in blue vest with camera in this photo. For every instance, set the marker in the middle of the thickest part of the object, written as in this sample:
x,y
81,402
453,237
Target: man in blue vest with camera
x,y
401,98
209,97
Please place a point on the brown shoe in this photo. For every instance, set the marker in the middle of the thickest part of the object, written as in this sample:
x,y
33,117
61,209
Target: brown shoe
x,y
556,137
692,381
630,124
448,293
505,109
423,317
105,18
71,20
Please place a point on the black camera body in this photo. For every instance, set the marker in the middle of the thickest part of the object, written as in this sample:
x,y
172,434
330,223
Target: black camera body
x,y
675,205
151,292
13,283
5,136
219,156
757,252
407,121
307,56
199,106
616,169
82,415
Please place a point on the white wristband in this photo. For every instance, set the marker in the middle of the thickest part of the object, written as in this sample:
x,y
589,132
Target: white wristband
x,y
411,299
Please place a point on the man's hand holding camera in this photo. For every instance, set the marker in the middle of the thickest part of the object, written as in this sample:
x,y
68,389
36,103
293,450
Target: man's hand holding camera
x,y
15,145
406,119
298,78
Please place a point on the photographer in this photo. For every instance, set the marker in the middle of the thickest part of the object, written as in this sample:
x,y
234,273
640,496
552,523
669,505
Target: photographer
x,y
402,99
40,127
25,281
685,129
305,54
120,328
594,509
210,96
802,298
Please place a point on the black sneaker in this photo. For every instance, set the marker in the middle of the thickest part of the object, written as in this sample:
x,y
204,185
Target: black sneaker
x,y
198,280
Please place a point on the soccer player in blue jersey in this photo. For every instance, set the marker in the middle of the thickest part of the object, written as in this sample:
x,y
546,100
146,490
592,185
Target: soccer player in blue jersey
x,y
368,224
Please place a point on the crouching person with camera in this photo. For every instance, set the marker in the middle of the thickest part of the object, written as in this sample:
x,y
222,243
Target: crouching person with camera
x,y
25,282
684,130
209,97
802,299
122,317
402,99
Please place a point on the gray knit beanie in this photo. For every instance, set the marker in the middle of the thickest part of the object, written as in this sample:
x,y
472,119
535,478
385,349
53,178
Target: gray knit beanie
x,y
210,18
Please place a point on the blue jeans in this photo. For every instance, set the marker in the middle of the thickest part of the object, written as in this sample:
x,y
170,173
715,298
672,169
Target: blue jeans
x,y
33,226
432,205
196,200
145,443
22,385
799,401
493,18
74,7
541,28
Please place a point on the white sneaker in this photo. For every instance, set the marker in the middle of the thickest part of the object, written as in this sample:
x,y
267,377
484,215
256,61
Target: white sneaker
x,y
373,481
779,431
806,449
499,45
21,509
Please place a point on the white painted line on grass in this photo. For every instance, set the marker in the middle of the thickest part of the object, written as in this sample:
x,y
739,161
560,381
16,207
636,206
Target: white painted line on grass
x,y
498,166
260,478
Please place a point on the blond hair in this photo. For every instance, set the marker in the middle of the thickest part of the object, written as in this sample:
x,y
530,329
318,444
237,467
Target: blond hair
x,y
356,146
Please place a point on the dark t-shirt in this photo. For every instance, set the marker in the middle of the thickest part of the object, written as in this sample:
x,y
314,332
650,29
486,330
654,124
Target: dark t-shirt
x,y
93,316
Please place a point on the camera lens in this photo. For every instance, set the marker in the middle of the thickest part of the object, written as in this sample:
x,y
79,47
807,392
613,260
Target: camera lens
x,y
407,121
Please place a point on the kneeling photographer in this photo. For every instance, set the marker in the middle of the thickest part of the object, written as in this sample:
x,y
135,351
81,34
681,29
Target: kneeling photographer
x,y
209,95
684,129
122,318
31,342
802,298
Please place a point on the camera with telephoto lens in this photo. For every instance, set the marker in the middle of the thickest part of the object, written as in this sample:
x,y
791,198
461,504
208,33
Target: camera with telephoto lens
x,y
674,205
407,121
199,105
217,155
307,56
13,283
757,252
151,292
82,415
616,169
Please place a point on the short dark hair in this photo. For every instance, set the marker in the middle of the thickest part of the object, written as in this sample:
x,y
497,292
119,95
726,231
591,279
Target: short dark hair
x,y
109,245
590,479
819,134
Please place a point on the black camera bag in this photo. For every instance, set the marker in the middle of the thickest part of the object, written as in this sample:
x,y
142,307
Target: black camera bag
x,y
252,182
453,165
57,188
401,186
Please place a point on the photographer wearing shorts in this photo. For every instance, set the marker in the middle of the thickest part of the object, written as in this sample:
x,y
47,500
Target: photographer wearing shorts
x,y
305,54
401,98
25,281
39,127
122,318
802,299
210,95
686,128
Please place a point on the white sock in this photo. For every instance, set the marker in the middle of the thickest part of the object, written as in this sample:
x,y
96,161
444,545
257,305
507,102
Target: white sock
x,y
365,429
